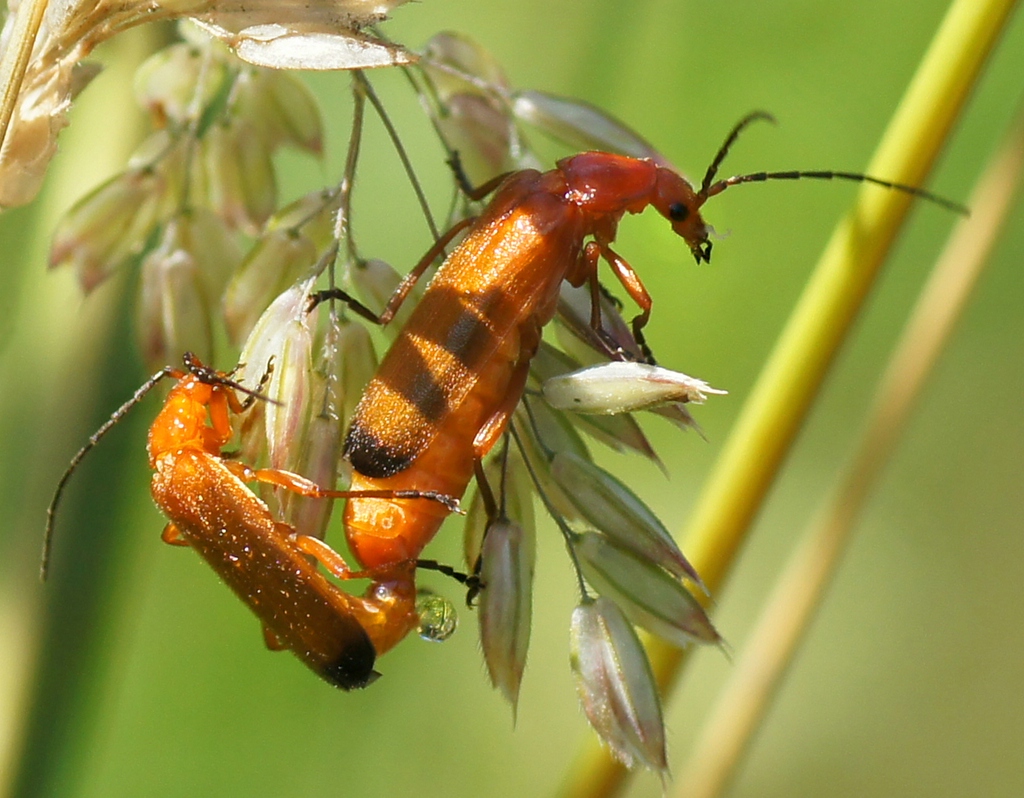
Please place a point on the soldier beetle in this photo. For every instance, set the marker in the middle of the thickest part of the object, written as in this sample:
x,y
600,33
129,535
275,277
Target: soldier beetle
x,y
446,389
442,397
267,563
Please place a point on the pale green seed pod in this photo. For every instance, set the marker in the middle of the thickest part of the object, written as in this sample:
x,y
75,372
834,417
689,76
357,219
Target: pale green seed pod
x,y
675,413
613,509
514,493
240,175
343,365
286,110
649,596
321,452
506,604
283,337
475,118
552,430
167,83
581,125
288,421
482,133
620,433
278,259
357,361
544,431
167,155
173,312
214,247
280,108
616,686
311,214
108,227
375,281
297,112
152,149
459,51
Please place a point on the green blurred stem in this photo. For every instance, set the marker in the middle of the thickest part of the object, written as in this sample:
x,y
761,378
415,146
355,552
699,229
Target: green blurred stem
x,y
785,620
15,58
821,321
81,365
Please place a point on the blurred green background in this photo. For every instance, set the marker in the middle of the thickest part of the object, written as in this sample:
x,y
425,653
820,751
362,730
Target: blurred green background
x,y
911,682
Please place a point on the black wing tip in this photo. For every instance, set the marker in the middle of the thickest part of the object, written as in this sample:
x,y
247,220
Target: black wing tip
x,y
353,668
372,457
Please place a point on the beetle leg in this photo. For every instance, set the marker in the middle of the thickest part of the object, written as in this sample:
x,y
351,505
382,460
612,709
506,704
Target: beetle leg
x,y
246,403
319,551
325,555
494,427
475,193
586,272
305,487
486,493
354,304
471,581
273,476
404,287
636,290
272,641
172,535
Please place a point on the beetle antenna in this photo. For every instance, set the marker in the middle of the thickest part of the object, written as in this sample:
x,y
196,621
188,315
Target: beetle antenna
x,y
754,116
708,188
51,511
760,177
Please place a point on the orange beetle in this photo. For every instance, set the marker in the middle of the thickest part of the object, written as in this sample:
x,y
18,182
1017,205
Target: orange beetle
x,y
447,387
264,561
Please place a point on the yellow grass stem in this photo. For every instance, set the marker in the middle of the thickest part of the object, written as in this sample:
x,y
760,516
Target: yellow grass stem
x,y
785,620
821,321
15,57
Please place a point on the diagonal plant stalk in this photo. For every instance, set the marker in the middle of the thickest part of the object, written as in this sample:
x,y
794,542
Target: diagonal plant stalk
x,y
784,622
15,57
821,321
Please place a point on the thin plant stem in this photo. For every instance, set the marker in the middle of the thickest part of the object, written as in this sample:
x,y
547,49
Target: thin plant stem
x,y
343,218
403,156
820,323
791,609
15,58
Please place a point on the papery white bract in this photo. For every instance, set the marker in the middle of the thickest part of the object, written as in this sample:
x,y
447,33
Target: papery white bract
x,y
622,388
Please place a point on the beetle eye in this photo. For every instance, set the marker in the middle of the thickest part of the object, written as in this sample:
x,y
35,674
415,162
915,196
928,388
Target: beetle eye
x,y
678,212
